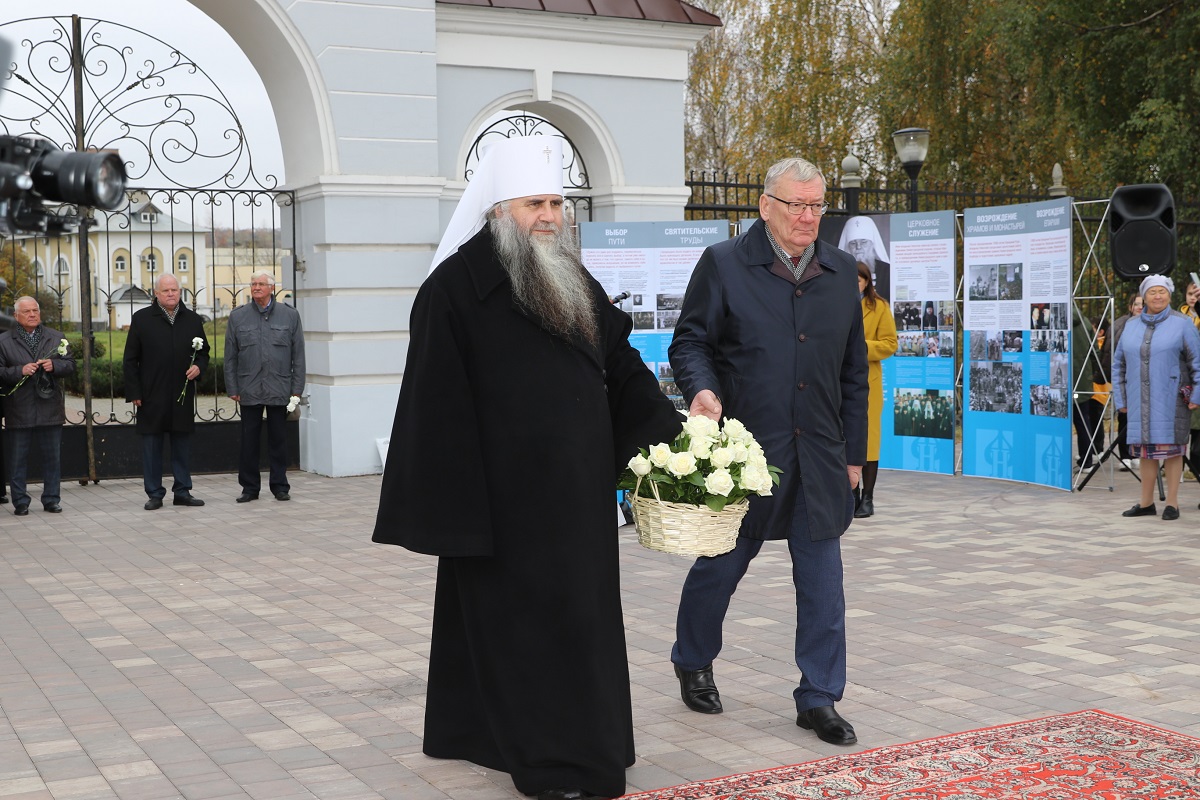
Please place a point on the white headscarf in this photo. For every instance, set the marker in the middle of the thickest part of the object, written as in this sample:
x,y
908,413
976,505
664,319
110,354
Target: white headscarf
x,y
864,228
1156,280
518,167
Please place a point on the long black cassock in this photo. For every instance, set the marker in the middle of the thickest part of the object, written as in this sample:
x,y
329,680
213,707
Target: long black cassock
x,y
504,452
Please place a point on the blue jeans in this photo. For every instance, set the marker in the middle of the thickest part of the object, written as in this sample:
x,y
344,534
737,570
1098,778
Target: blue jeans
x,y
820,612
248,474
50,439
152,463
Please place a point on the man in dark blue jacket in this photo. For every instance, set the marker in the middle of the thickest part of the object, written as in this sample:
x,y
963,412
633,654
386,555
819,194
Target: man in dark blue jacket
x,y
771,334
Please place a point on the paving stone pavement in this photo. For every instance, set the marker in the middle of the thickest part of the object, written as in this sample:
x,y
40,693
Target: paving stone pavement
x,y
270,651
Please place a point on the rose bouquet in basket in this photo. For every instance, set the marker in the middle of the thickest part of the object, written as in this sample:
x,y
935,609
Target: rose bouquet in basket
x,y
689,496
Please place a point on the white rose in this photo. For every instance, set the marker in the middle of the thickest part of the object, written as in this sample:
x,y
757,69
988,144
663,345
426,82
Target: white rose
x,y
756,458
721,457
681,464
757,480
640,465
739,452
735,430
659,454
719,482
700,448
701,426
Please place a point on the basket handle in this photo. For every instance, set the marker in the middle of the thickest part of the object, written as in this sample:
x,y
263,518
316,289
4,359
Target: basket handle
x,y
653,488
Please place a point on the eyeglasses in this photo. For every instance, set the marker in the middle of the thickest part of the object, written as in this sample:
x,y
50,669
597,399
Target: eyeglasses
x,y
796,209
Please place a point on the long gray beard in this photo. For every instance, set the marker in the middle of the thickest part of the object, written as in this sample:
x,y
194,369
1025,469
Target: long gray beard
x,y
547,277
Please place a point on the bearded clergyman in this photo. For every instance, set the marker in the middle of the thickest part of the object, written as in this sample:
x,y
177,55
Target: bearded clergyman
x,y
521,401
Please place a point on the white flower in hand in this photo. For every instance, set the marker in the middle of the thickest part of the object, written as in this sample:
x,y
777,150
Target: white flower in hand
x,y
197,343
719,482
62,347
659,453
681,464
640,465
293,404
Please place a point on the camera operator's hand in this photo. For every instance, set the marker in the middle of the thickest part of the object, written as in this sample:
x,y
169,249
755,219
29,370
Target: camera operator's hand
x,y
46,364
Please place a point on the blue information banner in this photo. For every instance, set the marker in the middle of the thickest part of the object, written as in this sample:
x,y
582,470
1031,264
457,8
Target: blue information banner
x,y
917,425
652,262
1017,334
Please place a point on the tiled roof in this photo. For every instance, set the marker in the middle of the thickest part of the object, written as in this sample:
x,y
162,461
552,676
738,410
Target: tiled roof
x,y
653,10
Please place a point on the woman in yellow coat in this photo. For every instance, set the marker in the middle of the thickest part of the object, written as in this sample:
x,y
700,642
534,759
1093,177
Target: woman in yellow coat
x,y
880,330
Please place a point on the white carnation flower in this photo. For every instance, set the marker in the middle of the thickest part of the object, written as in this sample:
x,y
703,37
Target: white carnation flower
x,y
659,453
681,464
62,347
719,482
640,465
293,404
197,343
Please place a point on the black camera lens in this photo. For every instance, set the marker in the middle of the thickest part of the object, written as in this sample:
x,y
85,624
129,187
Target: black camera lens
x,y
85,179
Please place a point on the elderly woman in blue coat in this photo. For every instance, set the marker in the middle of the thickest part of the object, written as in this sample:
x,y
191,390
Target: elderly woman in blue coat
x,y
1156,380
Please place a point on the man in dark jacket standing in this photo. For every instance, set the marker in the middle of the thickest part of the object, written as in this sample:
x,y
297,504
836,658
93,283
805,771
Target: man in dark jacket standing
x,y
522,400
771,334
264,372
32,360
165,354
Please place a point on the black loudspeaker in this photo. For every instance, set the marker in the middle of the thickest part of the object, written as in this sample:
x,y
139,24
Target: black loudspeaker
x,y
1141,230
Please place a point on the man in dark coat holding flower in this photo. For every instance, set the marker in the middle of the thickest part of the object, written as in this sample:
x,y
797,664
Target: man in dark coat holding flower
x,y
165,354
522,400
771,333
33,358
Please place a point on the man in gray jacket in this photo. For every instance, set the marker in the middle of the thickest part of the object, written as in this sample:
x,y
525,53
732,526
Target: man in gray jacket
x,y
264,372
32,358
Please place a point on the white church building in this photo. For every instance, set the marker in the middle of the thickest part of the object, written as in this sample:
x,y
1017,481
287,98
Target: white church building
x,y
380,106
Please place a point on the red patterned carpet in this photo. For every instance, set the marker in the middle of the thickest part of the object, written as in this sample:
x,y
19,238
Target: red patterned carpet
x,y
1088,755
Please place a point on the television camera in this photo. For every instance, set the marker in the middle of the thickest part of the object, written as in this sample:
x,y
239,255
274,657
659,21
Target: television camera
x,y
35,171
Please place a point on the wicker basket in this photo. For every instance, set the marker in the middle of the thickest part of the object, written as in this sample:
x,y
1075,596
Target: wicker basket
x,y
683,529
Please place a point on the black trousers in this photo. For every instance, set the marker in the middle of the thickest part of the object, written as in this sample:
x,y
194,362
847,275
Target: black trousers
x,y
248,474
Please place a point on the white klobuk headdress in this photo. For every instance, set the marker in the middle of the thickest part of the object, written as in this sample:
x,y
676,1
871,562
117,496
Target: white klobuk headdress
x,y
518,167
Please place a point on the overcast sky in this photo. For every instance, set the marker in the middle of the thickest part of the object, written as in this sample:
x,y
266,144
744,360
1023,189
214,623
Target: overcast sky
x,y
180,25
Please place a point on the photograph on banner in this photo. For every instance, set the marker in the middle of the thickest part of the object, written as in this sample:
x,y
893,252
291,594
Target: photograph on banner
x,y
1017,334
645,267
867,238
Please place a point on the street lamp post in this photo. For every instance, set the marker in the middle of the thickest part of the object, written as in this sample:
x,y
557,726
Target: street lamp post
x,y
912,145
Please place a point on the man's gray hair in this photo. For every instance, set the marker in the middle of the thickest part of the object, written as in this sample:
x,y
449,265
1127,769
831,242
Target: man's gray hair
x,y
23,298
796,169
158,281
262,273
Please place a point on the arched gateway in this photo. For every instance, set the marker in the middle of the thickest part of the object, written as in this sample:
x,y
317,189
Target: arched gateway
x,y
378,104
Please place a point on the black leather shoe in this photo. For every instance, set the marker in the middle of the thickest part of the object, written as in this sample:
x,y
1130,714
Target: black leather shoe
x,y
247,497
55,508
1141,511
828,725
186,500
1170,512
286,496
153,503
866,508
21,511
567,794
698,691
3,499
